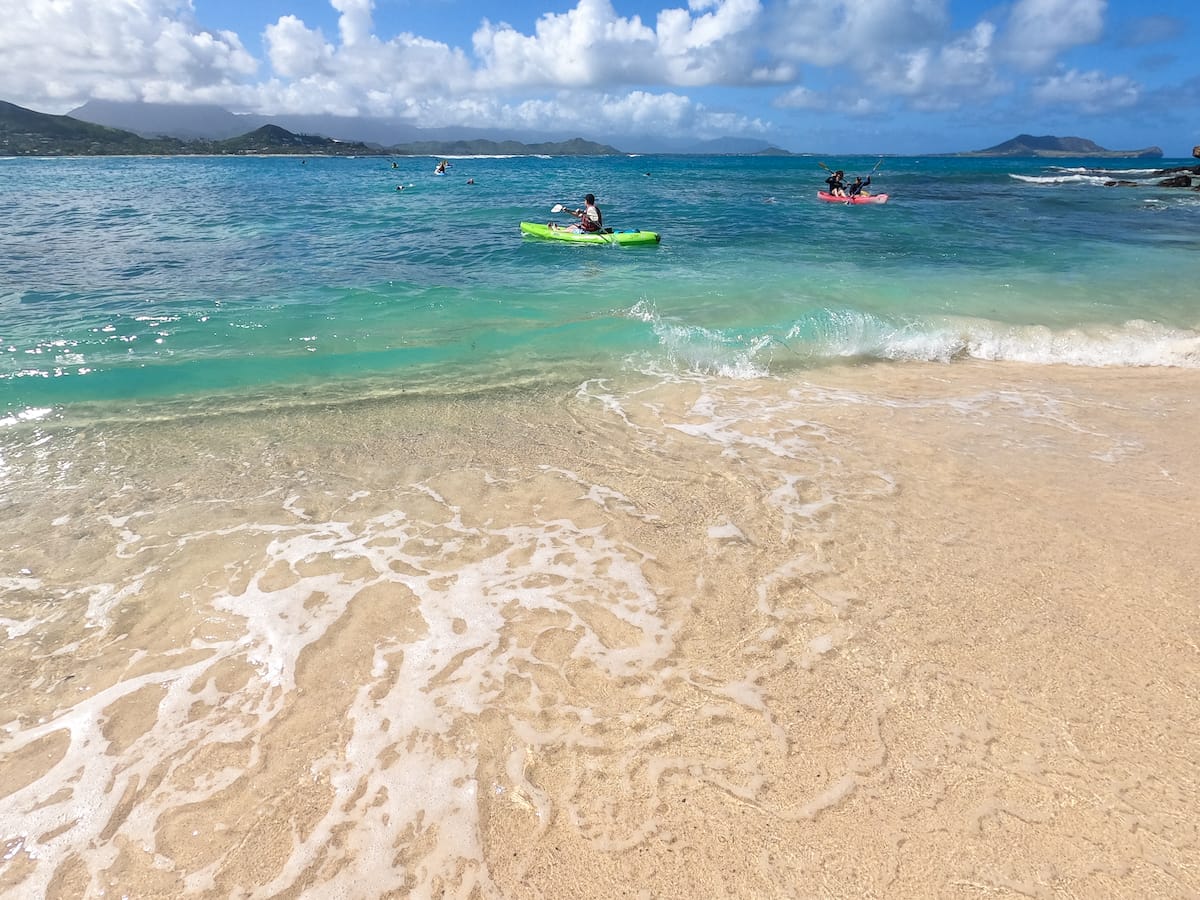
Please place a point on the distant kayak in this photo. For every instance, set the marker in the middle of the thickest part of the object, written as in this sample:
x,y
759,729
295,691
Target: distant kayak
x,y
872,198
631,236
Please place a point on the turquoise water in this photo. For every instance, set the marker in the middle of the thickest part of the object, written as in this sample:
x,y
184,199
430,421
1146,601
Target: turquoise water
x,y
161,280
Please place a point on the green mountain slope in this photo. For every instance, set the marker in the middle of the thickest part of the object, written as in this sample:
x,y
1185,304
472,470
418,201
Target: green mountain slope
x,y
24,132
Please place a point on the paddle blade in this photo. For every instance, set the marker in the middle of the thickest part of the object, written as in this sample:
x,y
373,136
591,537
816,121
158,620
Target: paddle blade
x,y
557,208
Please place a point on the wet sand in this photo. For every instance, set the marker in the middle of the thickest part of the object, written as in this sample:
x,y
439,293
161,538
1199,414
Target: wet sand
x,y
890,631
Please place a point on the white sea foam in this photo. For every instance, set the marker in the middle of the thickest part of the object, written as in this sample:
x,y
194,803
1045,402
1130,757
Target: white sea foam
x,y
464,586
1074,178
1133,343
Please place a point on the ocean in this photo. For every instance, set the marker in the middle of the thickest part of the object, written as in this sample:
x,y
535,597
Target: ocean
x,y
354,545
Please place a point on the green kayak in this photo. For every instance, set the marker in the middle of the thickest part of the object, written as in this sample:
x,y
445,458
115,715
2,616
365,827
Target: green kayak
x,y
608,236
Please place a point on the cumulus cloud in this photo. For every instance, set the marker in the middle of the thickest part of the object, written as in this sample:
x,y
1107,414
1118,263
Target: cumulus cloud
x,y
944,76
586,68
591,45
361,75
296,51
857,33
70,50
578,47
1091,92
801,97
1039,30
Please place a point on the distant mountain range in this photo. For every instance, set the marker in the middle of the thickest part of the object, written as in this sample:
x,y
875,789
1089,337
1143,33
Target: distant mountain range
x,y
24,132
1050,146
216,123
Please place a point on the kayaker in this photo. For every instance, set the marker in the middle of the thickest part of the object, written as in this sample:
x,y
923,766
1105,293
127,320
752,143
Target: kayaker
x,y
837,187
590,218
857,187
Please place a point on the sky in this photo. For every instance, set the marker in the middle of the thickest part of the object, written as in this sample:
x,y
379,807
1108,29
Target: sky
x,y
846,76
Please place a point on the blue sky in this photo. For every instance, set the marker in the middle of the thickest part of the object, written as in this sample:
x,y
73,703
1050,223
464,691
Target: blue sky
x,y
846,76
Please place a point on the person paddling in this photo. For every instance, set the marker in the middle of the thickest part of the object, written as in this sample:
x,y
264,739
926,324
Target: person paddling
x,y
859,186
837,187
590,218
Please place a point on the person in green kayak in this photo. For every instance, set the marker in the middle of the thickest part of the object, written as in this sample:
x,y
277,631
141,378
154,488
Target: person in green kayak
x,y
858,187
837,186
590,218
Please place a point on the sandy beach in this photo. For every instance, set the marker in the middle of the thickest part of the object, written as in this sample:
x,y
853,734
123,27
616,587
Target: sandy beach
x,y
880,631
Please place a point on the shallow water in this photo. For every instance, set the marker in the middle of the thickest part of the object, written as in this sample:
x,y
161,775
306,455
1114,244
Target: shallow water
x,y
202,278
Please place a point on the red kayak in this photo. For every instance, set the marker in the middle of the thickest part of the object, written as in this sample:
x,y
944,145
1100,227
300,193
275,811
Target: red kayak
x,y
870,198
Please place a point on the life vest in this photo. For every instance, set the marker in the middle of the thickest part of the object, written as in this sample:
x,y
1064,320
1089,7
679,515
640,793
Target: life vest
x,y
586,222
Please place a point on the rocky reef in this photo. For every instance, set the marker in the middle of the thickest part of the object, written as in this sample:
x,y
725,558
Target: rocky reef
x,y
1175,177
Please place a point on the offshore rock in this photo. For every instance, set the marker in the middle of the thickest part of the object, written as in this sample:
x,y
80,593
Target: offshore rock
x,y
1196,151
1177,181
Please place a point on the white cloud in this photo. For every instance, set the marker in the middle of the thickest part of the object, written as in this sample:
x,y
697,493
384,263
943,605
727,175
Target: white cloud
x,y
1038,30
597,114
65,51
857,33
590,45
296,51
961,71
587,68
355,23
361,76
1091,92
801,97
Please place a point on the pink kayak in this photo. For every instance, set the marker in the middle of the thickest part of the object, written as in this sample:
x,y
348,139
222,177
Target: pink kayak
x,y
871,198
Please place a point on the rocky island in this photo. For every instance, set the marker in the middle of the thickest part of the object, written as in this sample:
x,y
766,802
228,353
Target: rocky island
x,y
1058,147
1048,146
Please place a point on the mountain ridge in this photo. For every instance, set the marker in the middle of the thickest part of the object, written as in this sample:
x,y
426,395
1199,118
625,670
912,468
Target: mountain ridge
x,y
25,132
217,123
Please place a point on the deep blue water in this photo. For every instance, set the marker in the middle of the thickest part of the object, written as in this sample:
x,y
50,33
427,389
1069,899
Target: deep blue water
x,y
195,279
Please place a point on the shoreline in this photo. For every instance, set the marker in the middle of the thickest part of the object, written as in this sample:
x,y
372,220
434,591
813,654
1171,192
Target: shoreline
x,y
887,630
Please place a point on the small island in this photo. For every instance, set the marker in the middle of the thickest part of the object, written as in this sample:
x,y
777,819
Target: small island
x,y
1059,147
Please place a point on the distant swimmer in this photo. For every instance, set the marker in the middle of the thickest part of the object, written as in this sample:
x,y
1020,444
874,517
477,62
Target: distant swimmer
x,y
470,181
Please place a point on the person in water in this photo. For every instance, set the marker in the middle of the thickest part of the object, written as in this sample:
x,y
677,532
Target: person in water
x,y
441,167
590,218
859,186
837,186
